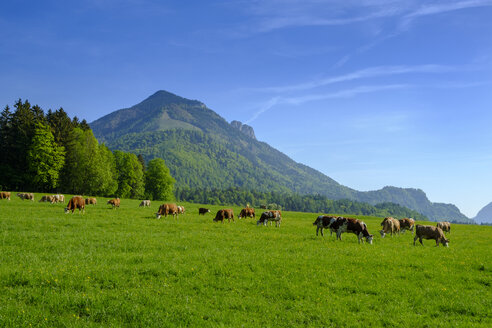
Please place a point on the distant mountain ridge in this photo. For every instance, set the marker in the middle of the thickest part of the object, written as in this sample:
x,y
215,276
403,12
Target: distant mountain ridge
x,y
203,150
484,215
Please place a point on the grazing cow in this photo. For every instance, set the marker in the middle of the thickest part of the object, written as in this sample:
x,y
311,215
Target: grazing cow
x,y
335,224
115,202
90,201
202,211
48,198
59,198
355,226
224,214
445,226
167,209
181,210
430,232
145,203
247,212
324,222
390,225
74,203
25,195
407,224
5,195
270,216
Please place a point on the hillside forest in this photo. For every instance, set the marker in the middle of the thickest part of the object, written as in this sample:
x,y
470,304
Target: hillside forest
x,y
53,153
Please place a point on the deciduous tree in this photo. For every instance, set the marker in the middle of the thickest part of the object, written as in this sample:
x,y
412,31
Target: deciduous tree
x,y
158,181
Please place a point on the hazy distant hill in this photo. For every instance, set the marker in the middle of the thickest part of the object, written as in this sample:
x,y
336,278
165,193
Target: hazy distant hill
x,y
484,215
203,150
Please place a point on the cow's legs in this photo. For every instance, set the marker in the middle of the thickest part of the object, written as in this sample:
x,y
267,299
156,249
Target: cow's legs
x,y
414,240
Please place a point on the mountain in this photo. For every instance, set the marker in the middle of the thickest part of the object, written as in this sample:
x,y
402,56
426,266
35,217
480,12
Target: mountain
x,y
202,150
484,215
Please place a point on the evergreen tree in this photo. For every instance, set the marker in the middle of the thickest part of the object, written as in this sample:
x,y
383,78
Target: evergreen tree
x,y
45,159
158,181
61,126
18,141
6,171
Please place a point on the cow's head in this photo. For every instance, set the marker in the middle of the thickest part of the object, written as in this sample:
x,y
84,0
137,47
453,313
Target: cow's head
x,y
382,233
445,242
369,239
66,210
318,219
157,216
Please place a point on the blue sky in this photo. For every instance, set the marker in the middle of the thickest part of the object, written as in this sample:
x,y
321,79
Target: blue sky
x,y
369,92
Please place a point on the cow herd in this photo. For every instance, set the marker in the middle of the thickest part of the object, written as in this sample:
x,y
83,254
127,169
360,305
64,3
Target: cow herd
x,y
337,225
390,226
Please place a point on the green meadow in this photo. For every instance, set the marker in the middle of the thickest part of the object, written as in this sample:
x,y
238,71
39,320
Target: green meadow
x,y
123,267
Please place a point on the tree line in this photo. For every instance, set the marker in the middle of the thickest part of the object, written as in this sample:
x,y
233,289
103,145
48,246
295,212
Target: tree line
x,y
292,202
53,153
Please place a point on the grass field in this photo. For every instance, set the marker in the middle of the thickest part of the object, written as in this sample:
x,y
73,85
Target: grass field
x,y
125,268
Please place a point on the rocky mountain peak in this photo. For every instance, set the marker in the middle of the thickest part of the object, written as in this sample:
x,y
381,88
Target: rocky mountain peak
x,y
244,128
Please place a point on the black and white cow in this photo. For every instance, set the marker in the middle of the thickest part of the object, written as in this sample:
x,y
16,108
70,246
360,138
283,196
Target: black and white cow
x,y
354,226
270,216
324,222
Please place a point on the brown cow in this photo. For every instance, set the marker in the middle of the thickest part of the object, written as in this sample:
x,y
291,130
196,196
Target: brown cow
x,y
25,195
74,203
390,225
5,195
445,226
90,201
430,232
355,226
47,198
224,214
270,216
407,224
203,210
247,212
166,209
115,202
181,210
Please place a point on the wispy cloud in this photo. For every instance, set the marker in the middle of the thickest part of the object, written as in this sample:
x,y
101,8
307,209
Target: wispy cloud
x,y
346,93
353,92
285,22
405,17
274,14
370,72
440,8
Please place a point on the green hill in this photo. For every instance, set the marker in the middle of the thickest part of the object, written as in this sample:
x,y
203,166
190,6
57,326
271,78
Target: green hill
x,y
203,150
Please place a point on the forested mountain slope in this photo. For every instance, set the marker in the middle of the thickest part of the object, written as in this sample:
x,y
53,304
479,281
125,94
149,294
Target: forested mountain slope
x,y
203,150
